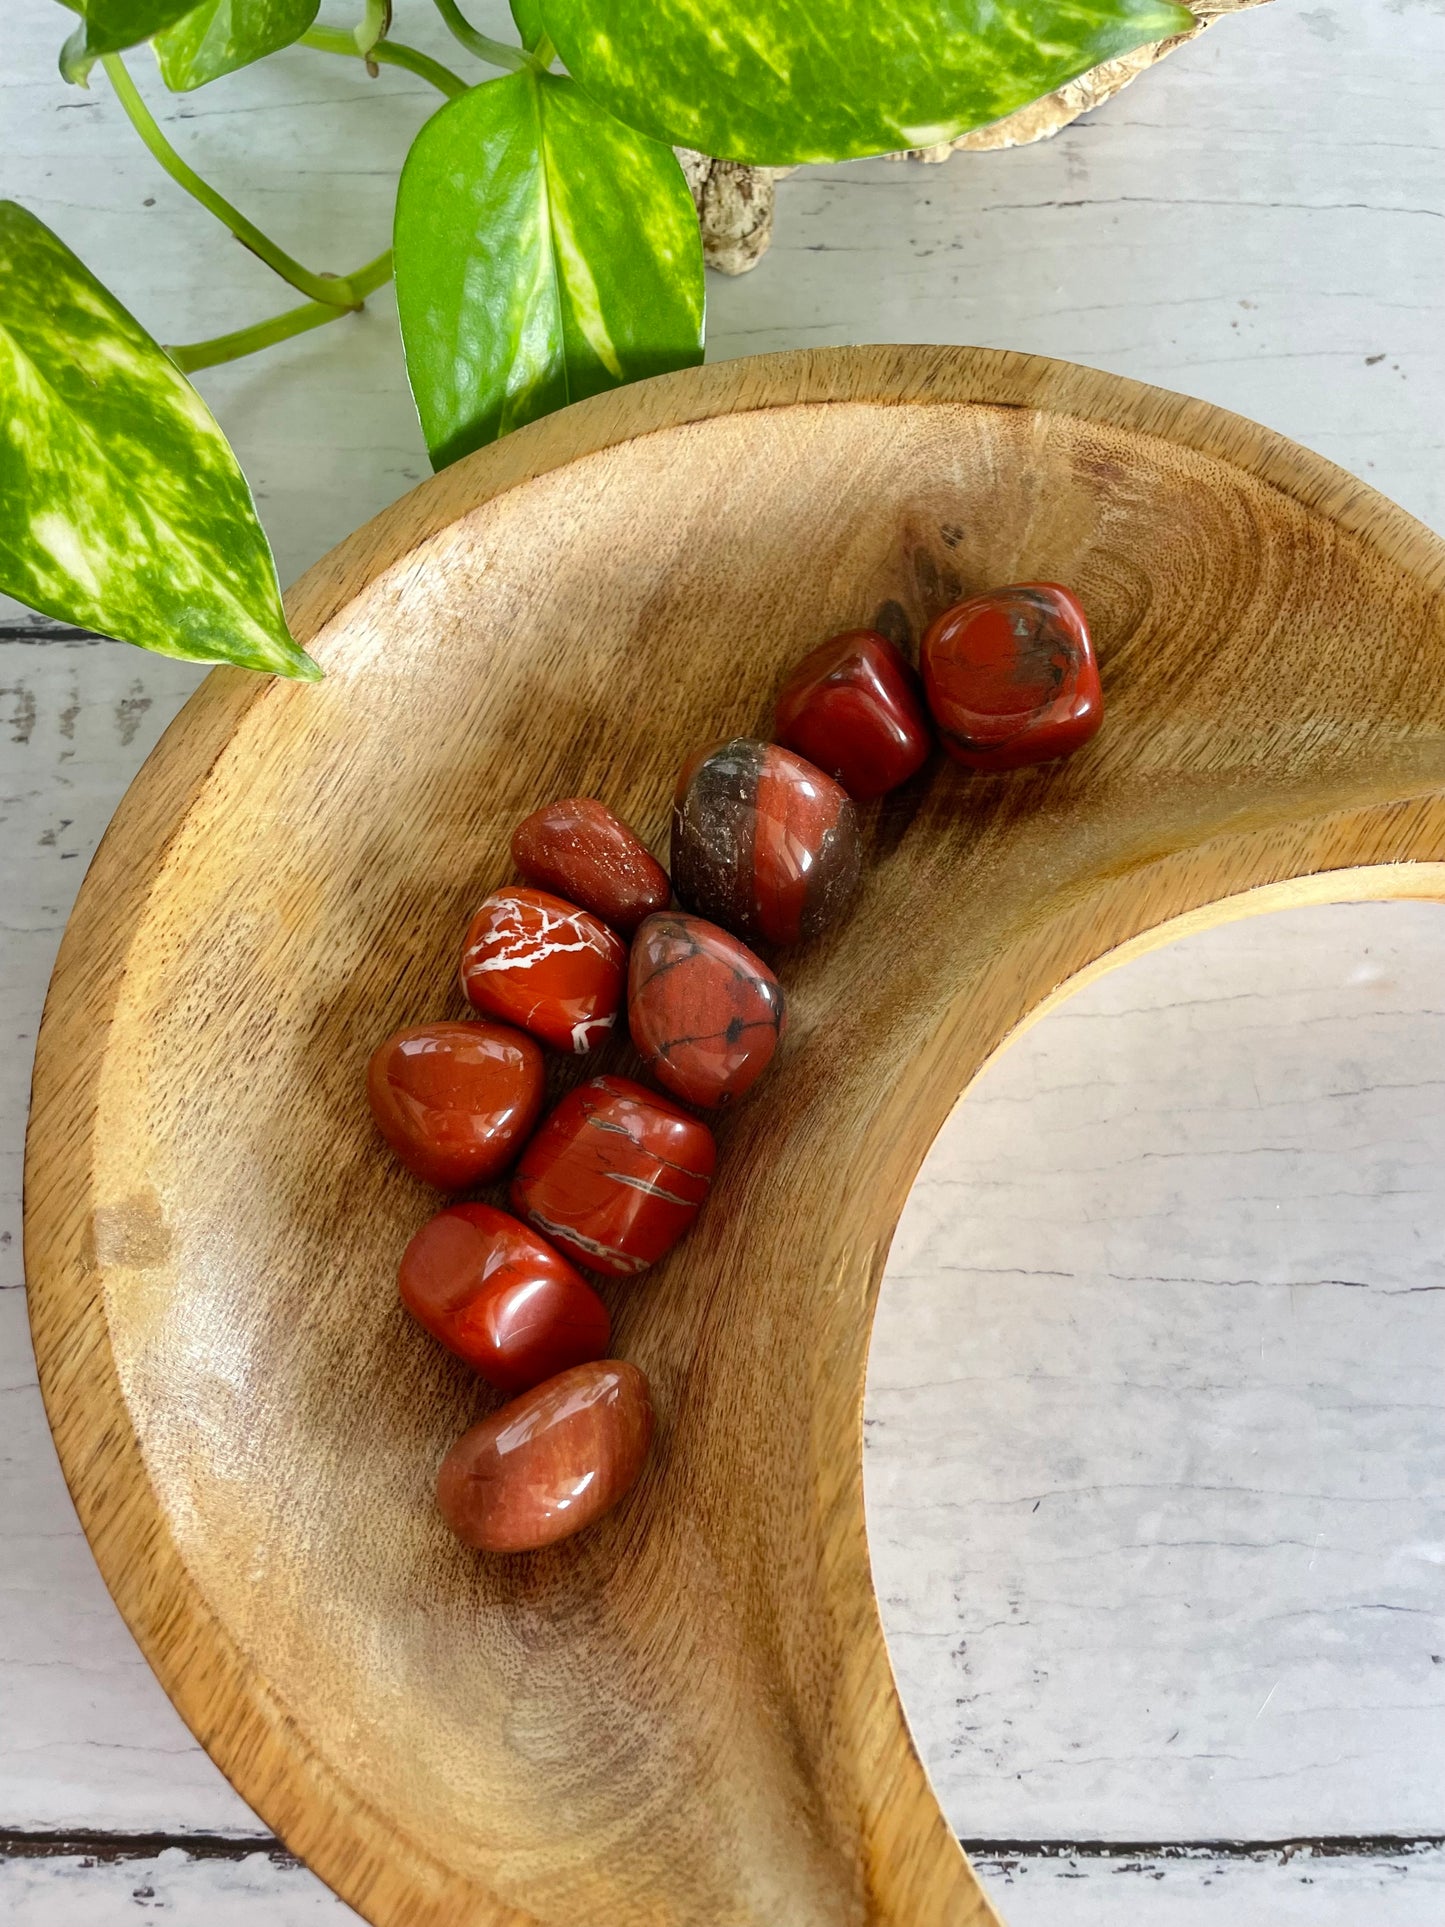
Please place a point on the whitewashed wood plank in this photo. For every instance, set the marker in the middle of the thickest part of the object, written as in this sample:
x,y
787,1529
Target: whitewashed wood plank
x,y
1156,1407
79,1891
1293,1889
85,1730
1268,1890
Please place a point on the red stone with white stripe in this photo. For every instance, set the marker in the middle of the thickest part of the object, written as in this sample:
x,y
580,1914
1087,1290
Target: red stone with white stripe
x,y
615,1175
542,963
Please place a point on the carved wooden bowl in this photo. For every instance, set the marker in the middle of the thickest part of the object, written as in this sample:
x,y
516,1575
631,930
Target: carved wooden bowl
x,y
686,1717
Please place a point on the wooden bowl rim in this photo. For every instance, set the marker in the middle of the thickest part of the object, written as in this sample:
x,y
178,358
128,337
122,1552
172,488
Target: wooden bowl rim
x,y
250,1737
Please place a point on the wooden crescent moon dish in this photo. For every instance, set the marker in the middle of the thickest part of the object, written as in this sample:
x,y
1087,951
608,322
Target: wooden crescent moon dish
x,y
685,1717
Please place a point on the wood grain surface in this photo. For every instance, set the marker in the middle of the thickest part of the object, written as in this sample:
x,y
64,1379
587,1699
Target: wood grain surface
x,y
689,1716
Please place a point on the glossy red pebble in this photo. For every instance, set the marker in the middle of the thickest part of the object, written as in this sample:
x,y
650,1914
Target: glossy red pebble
x,y
763,842
456,1102
490,1290
1011,677
544,964
550,1462
615,1175
854,707
578,848
706,1014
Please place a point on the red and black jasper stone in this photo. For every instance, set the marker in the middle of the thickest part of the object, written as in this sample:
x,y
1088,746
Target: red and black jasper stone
x,y
762,842
1011,677
706,1014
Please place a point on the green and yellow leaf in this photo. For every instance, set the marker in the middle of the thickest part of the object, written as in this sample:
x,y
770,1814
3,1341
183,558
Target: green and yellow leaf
x,y
110,26
220,36
527,18
543,252
125,510
777,82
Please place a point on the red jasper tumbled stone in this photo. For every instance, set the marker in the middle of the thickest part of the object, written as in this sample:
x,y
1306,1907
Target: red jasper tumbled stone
x,y
1011,677
706,1014
578,848
456,1102
544,964
854,707
615,1175
550,1462
490,1290
763,842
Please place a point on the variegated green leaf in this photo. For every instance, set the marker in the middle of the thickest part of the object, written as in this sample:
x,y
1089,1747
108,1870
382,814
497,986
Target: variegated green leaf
x,y
527,15
543,252
776,82
110,26
125,510
221,35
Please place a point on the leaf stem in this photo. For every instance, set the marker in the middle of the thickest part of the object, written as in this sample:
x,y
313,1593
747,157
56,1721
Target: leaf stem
x,y
333,292
496,53
375,25
332,40
281,327
544,53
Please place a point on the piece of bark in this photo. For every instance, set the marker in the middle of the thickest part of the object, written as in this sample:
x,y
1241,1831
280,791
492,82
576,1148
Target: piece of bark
x,y
734,209
1055,111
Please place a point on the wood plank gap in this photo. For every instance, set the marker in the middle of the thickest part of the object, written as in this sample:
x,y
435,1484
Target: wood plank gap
x,y
101,1845
1318,1847
42,631
97,1844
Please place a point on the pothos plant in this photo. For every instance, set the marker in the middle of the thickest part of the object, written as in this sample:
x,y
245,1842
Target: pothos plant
x,y
545,247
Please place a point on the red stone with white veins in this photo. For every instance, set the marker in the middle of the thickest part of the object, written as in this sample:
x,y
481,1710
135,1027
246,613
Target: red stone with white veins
x,y
542,963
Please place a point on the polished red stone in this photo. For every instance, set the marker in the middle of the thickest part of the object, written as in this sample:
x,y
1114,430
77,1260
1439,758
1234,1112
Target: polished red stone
x,y
500,1297
546,965
615,1175
550,1462
706,1014
1011,677
762,842
854,707
456,1102
582,851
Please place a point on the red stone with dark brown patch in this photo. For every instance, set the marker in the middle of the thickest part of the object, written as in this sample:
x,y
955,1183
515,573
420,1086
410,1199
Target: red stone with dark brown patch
x,y
763,842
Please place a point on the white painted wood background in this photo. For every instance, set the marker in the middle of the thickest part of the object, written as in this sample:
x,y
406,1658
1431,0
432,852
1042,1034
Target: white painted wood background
x,y
1156,1468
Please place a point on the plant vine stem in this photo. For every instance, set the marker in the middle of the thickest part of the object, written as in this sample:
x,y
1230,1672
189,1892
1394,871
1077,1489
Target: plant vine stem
x,y
375,25
295,321
387,53
496,53
330,290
